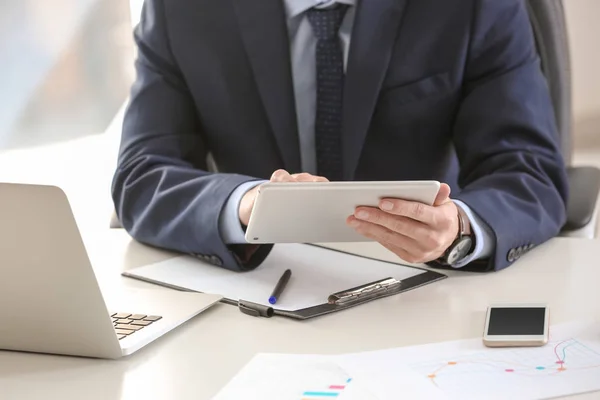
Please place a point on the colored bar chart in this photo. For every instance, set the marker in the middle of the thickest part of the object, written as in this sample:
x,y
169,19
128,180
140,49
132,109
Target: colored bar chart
x,y
331,392
294,377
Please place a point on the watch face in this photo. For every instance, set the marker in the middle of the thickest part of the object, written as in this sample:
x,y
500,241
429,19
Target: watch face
x,y
460,250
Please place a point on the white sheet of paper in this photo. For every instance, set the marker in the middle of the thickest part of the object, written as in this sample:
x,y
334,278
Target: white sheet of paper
x,y
316,273
466,369
293,377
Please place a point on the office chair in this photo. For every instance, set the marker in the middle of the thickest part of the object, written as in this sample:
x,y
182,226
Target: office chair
x,y
550,31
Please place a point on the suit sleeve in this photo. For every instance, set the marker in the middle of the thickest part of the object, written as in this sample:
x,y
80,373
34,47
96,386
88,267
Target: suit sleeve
x,y
512,173
163,194
230,226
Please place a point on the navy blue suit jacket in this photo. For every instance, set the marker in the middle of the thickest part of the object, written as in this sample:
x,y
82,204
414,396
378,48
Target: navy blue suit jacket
x,y
449,90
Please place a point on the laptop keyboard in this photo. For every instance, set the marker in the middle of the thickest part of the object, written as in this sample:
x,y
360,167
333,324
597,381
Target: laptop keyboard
x,y
127,324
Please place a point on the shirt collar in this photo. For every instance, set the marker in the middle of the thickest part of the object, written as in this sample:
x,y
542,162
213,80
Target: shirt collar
x,y
294,8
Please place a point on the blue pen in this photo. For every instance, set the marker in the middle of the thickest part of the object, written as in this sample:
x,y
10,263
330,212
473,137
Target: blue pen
x,y
280,286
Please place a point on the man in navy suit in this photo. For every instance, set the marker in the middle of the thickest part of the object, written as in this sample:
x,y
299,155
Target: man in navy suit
x,y
303,90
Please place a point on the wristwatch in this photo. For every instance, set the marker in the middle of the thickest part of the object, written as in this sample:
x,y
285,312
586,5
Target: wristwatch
x,y
462,245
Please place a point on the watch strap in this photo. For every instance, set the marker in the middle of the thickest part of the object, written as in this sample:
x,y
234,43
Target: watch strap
x,y
463,230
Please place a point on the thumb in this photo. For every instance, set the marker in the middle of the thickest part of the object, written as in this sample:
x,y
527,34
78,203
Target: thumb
x,y
443,195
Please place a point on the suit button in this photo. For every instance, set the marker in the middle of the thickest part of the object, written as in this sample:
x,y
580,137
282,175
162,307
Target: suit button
x,y
519,252
216,260
511,255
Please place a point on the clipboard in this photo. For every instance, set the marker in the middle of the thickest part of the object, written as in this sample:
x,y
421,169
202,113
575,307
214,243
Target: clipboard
x,y
307,261
345,299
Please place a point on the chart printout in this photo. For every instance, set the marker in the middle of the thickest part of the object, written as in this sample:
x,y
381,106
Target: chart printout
x,y
466,369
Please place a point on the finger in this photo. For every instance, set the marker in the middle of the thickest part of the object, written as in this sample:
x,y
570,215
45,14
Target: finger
x,y
410,209
443,195
384,235
281,175
405,255
406,249
306,177
425,236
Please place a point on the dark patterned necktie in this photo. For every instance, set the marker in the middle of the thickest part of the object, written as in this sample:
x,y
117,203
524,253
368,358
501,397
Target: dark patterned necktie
x,y
330,84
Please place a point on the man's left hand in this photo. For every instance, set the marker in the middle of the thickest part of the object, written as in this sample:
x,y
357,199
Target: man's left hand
x,y
415,232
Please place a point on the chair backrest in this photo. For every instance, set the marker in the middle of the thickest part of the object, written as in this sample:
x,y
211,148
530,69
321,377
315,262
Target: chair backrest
x,y
550,31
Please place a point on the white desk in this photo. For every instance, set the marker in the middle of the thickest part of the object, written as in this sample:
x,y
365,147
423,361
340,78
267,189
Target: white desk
x,y
196,360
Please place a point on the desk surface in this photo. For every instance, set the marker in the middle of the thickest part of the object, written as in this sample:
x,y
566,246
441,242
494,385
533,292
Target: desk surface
x,y
197,359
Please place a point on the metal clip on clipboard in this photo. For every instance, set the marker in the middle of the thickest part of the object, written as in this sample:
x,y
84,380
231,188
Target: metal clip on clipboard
x,y
346,298
364,292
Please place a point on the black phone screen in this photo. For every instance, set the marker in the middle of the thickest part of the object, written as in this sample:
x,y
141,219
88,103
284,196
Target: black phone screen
x,y
517,321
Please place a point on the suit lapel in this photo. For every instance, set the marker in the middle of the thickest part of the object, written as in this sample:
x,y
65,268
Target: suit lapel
x,y
375,28
264,33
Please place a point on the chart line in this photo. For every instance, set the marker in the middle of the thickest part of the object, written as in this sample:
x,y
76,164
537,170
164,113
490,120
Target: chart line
x,y
518,368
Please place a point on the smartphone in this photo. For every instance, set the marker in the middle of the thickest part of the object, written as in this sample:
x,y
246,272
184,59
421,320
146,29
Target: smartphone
x,y
516,325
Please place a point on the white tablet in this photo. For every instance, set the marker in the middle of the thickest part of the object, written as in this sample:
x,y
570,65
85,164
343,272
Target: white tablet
x,y
316,212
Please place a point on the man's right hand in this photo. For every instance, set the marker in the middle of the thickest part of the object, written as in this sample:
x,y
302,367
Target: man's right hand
x,y
247,202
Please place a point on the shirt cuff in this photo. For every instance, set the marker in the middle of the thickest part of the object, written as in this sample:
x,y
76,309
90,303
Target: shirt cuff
x,y
484,237
230,226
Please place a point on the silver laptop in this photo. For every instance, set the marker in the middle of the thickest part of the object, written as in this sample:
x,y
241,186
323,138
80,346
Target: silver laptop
x,y
50,300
